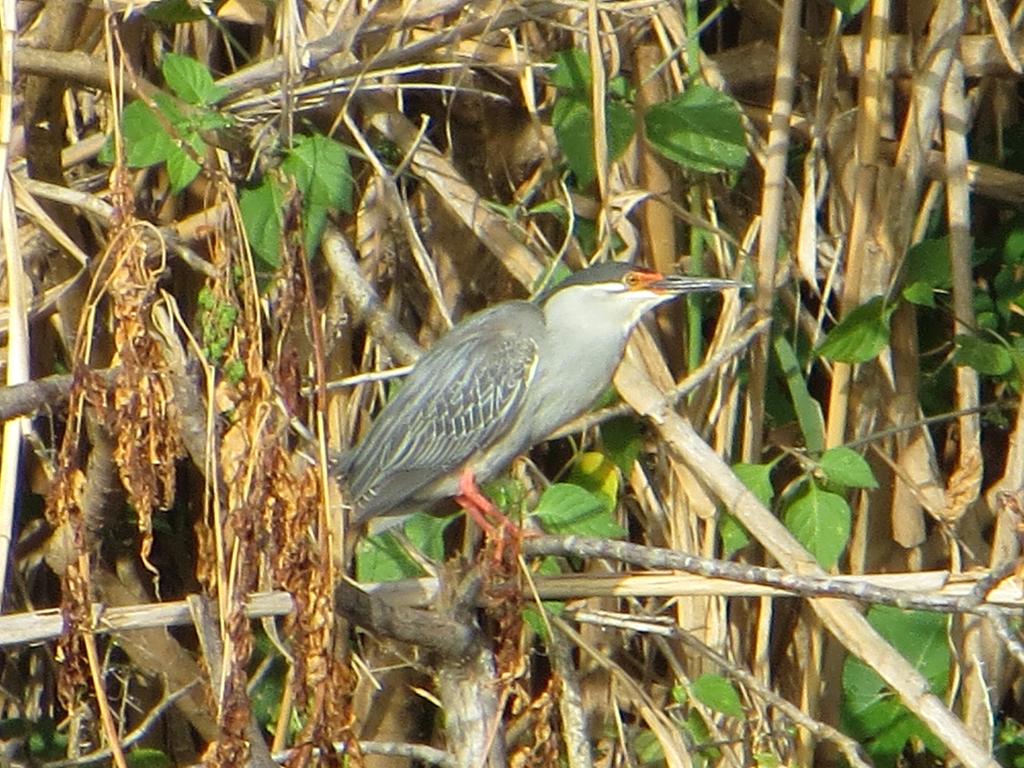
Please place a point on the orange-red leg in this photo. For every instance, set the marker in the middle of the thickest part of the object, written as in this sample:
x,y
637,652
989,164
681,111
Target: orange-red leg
x,y
483,511
477,506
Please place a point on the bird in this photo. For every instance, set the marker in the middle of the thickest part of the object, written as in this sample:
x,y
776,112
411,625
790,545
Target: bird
x,y
499,382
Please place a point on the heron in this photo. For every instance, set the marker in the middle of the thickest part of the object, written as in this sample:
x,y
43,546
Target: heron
x,y
498,383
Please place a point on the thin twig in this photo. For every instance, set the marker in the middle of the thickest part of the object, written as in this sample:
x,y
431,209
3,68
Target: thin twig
x,y
804,585
937,591
99,690
366,305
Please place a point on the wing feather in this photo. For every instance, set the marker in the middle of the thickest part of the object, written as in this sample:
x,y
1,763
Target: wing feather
x,y
462,396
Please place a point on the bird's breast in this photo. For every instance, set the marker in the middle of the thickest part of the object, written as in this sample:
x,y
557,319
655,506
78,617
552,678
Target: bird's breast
x,y
566,386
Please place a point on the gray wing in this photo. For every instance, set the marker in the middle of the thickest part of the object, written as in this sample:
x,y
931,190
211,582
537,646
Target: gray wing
x,y
461,396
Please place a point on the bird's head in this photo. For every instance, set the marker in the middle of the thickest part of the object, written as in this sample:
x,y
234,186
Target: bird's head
x,y
620,293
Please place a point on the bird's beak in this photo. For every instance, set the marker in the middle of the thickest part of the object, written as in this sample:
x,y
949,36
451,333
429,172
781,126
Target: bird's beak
x,y
676,284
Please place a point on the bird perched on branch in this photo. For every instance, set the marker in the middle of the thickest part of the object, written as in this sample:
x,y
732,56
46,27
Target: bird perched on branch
x,y
498,383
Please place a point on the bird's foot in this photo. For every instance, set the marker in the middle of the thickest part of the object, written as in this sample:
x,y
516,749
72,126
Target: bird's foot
x,y
480,508
495,525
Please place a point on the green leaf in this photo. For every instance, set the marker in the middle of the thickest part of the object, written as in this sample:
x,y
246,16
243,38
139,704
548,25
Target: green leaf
x,y
719,694
620,126
987,321
1013,247
149,141
573,122
861,335
507,494
322,171
44,741
106,154
700,736
870,711
920,293
647,748
1009,292
758,479
928,262
181,169
585,231
531,613
148,758
323,174
190,80
265,696
733,535
701,129
808,410
548,279
426,532
40,736
922,637
173,11
623,440
986,357
171,109
1010,743
844,466
572,72
574,130
1017,356
261,215
850,7
555,208
234,371
568,509
595,472
312,228
382,558
821,522
620,88
509,212
146,141
209,120
533,618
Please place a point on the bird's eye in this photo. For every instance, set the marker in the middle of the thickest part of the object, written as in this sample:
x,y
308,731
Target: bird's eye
x,y
631,280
